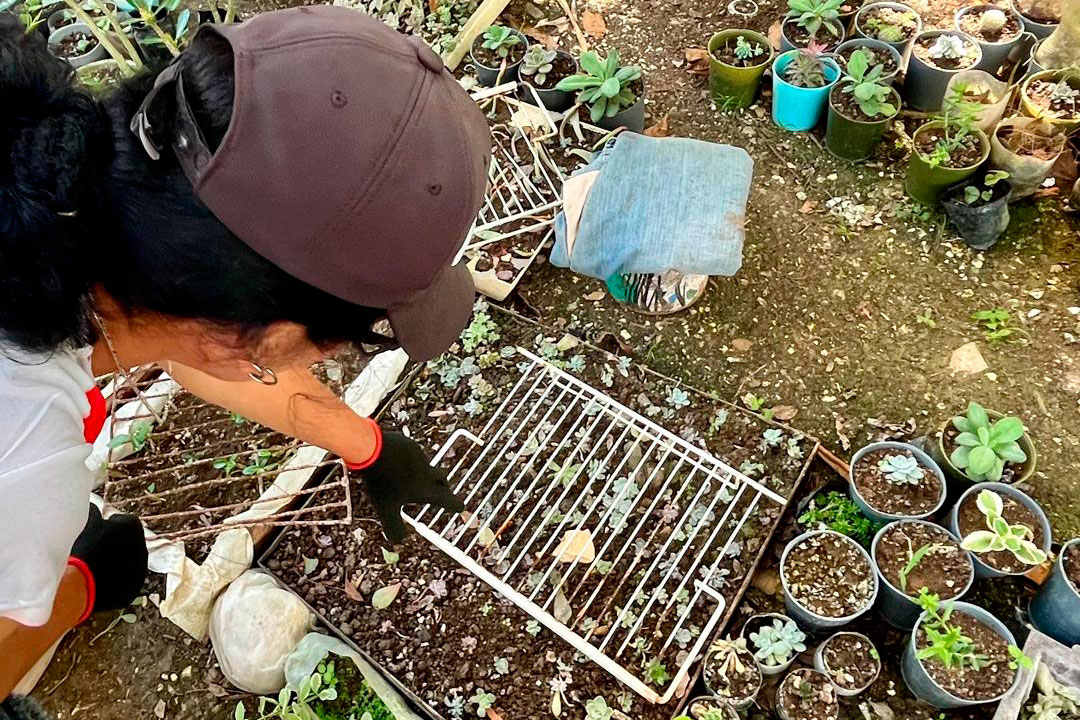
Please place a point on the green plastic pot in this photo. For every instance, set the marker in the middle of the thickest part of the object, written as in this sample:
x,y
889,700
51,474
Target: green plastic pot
x,y
735,87
927,184
855,138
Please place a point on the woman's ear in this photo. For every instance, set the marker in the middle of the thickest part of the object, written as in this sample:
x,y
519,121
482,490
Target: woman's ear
x,y
286,344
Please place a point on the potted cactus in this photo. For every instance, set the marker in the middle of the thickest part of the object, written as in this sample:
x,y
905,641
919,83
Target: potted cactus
x,y
496,54
802,80
1054,95
1055,611
613,93
979,208
892,23
737,60
812,21
997,30
860,108
1006,531
945,152
775,640
1011,458
543,69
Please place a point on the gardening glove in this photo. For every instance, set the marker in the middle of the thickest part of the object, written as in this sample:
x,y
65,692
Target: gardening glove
x,y
111,554
400,473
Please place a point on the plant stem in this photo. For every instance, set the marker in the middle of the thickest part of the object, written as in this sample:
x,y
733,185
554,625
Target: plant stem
x,y
114,21
101,36
152,23
230,11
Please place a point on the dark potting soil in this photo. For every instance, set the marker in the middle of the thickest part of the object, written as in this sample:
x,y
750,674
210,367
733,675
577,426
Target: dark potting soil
x,y
1030,144
1071,563
561,67
893,499
991,680
807,695
726,54
922,46
1040,11
971,20
1040,93
68,47
724,678
447,634
800,37
827,575
944,570
1012,471
845,104
872,20
489,58
876,56
965,155
970,519
852,661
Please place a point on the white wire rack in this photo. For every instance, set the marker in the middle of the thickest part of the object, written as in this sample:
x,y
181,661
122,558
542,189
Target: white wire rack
x,y
611,531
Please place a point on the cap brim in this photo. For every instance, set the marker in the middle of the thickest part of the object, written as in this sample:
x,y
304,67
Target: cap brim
x,y
429,323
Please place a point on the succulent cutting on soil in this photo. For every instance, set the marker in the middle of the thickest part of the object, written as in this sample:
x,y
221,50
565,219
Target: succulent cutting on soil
x,y
971,518
1058,99
1071,563
807,695
917,493
966,154
489,58
730,671
994,675
851,660
561,67
827,575
742,53
76,44
974,23
967,57
943,568
888,24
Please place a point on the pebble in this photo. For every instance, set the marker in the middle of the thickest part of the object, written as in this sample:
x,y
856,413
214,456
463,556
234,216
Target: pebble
x,y
273,564
329,552
345,628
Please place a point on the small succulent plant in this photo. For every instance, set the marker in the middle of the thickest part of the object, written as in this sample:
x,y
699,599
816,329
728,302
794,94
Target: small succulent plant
x,y
499,39
901,470
777,643
806,69
813,14
983,447
746,50
604,86
537,63
864,83
947,47
1000,535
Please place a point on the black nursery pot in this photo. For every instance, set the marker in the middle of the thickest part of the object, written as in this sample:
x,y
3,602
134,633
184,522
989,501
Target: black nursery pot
x,y
552,99
979,225
631,118
486,75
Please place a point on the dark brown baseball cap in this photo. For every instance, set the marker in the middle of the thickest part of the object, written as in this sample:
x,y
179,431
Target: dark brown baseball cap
x,y
353,161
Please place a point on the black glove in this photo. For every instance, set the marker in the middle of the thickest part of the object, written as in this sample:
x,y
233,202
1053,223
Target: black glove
x,y
403,474
114,552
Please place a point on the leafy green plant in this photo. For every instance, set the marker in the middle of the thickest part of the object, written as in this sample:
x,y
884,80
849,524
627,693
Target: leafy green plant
x,y
836,511
865,85
806,69
958,118
946,643
985,447
746,50
138,435
914,558
260,463
499,39
537,63
657,673
973,193
33,13
995,324
901,470
227,464
777,643
604,86
813,14
290,706
1000,535
885,30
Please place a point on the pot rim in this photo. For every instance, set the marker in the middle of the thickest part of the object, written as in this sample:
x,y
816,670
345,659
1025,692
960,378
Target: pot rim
x,y
780,688
873,42
893,6
1060,562
862,551
1026,19
825,663
68,30
937,32
828,61
994,415
524,41
719,700
981,6
924,459
1045,75
914,521
1012,491
733,700
984,141
899,102
966,608
735,32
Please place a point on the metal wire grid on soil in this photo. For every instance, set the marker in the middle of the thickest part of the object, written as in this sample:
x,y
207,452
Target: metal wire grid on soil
x,y
611,531
163,489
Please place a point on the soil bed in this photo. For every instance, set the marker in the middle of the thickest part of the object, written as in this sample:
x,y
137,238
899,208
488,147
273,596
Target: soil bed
x,y
1040,92
875,56
922,49
890,498
944,570
1071,563
723,678
489,58
970,23
1015,513
726,54
800,37
447,634
966,154
850,661
827,575
873,21
991,680
807,695
68,47
561,67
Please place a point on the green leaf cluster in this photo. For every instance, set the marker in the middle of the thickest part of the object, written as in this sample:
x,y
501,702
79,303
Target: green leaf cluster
x,y
836,511
813,14
865,84
973,193
1000,535
985,447
947,643
604,86
499,39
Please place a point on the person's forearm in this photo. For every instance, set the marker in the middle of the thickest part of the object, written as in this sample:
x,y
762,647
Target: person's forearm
x,y
298,405
22,645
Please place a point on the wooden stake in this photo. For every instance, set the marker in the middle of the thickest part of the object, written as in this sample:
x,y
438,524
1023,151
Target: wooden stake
x,y
481,19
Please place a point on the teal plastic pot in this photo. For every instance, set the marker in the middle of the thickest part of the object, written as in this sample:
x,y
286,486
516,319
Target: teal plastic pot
x,y
795,108
927,184
731,86
1055,611
855,138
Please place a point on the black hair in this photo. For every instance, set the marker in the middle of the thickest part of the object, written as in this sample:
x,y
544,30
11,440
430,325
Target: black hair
x,y
81,204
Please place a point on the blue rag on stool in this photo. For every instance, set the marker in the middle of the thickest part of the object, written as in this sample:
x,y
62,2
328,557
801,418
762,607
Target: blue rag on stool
x,y
660,204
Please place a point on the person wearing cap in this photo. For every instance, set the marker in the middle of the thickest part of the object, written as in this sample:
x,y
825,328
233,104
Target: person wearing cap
x,y
282,187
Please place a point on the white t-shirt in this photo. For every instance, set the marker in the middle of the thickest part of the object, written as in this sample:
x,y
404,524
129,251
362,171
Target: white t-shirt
x,y
44,482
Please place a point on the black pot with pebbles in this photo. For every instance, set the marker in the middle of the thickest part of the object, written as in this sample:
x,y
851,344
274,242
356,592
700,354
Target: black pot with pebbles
x,y
828,580
731,673
807,695
496,55
894,480
913,554
851,662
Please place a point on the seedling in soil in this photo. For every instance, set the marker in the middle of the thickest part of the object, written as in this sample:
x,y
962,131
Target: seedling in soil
x,y
537,63
499,39
836,511
657,673
604,86
815,13
995,325
677,398
864,83
532,627
261,463
483,701
947,643
973,193
773,437
228,464
1019,659
777,643
238,419
926,319
1000,535
138,435
983,447
958,123
916,557
901,470
1055,701
390,557
455,706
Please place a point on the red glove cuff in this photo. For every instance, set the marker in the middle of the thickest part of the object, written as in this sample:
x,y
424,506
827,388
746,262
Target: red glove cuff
x,y
91,587
375,453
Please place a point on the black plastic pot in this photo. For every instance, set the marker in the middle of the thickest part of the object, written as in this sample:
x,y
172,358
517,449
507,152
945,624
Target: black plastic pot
x,y
552,99
855,138
632,118
979,225
489,76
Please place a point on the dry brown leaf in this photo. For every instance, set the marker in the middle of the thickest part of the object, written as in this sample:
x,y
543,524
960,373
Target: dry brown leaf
x,y
575,546
845,441
774,35
492,715
767,580
659,129
741,344
593,24
808,207
548,40
352,591
697,61
784,412
596,295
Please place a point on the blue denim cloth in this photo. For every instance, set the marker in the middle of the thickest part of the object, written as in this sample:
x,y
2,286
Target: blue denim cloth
x,y
661,204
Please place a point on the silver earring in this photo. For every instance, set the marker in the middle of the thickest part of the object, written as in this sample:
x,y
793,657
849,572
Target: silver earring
x,y
262,375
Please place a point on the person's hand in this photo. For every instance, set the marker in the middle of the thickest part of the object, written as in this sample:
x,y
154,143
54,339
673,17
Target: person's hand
x,y
402,474
113,553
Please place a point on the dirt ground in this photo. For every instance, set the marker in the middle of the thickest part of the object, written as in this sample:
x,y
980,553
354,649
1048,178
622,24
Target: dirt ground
x,y
847,309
